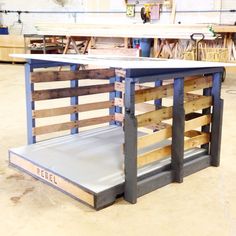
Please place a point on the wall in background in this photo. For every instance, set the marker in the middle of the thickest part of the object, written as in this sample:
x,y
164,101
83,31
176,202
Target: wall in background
x,y
116,7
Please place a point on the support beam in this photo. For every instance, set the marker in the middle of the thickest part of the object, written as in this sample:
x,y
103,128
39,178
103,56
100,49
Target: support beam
x,y
217,116
130,127
177,147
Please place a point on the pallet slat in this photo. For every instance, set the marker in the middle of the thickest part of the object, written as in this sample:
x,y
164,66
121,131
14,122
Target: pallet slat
x,y
198,104
155,137
49,76
119,102
166,133
70,125
161,153
72,109
197,122
164,91
166,113
40,95
119,86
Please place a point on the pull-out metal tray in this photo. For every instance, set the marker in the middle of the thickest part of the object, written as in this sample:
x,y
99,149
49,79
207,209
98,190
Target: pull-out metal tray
x,y
89,166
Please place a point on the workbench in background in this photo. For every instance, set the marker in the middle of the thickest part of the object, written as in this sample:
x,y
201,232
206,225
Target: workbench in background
x,y
170,40
11,44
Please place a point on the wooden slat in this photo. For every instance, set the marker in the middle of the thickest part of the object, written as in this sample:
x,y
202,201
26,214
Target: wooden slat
x,y
119,102
152,156
71,92
70,125
192,115
95,121
167,90
161,153
119,86
120,73
72,109
152,117
166,133
153,93
119,117
166,113
197,122
155,137
49,76
198,104
192,133
157,127
144,107
197,141
189,97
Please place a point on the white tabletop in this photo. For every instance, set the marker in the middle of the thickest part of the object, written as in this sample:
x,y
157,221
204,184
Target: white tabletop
x,y
124,62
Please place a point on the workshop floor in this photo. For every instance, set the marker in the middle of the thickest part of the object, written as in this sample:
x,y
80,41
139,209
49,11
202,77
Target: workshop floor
x,y
205,204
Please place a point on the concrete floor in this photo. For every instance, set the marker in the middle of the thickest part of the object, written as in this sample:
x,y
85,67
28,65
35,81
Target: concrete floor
x,y
205,204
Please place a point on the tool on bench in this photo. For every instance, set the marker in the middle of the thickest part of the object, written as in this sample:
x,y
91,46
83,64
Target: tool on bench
x,y
197,38
145,14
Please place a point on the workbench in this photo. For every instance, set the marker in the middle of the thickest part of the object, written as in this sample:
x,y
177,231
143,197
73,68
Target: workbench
x,y
164,35
123,151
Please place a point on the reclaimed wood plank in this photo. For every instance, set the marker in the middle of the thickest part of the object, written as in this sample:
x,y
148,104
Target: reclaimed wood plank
x,y
119,117
49,76
155,137
39,95
198,104
166,113
166,133
119,102
197,141
120,73
160,153
72,109
95,121
119,86
190,84
197,122
70,125
152,117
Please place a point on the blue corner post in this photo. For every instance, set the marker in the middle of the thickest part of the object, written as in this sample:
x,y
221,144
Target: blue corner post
x,y
30,105
177,147
112,96
74,100
130,128
158,102
217,117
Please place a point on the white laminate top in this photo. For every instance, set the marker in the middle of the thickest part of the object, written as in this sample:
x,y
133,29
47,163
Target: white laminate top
x,y
124,62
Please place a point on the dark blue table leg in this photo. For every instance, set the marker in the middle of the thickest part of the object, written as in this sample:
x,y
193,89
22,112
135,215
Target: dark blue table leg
x,y
74,100
130,129
177,147
217,116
